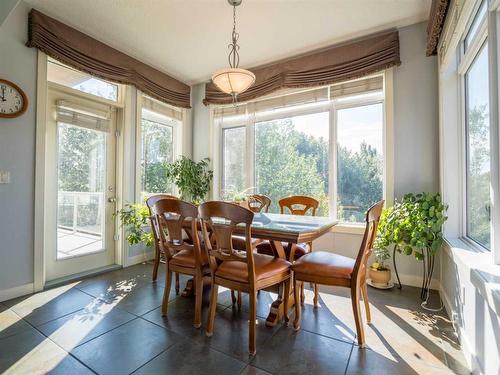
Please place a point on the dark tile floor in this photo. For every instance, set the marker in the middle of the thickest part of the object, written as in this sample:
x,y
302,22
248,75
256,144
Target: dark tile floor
x,y
111,324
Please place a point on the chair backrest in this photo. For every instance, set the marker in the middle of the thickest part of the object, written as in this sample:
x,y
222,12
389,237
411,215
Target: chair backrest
x,y
171,214
219,220
150,202
372,219
305,204
259,203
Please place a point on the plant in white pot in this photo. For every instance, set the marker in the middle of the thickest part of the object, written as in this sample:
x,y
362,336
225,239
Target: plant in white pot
x,y
379,272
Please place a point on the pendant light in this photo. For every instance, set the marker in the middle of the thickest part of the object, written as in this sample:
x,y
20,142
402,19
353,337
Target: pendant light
x,y
233,80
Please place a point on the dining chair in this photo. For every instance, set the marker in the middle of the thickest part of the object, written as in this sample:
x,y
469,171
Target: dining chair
x,y
181,256
295,205
321,267
244,271
150,202
259,203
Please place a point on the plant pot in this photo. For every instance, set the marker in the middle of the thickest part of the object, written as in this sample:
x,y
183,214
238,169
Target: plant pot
x,y
380,277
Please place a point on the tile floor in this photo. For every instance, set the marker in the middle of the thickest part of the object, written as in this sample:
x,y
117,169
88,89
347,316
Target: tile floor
x,y
111,324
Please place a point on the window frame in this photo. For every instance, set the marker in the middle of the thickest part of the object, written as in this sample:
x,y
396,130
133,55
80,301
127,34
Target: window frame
x,y
176,140
466,59
332,107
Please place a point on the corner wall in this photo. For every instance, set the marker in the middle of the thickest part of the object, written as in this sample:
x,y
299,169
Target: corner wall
x,y
17,155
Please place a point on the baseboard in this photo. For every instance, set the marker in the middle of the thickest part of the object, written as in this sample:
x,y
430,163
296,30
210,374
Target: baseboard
x,y
16,291
140,258
414,280
469,354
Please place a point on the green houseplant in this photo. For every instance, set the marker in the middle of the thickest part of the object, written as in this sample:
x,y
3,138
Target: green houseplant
x,y
413,225
192,178
134,218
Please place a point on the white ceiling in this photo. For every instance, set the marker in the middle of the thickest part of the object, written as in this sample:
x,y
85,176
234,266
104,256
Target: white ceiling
x,y
188,39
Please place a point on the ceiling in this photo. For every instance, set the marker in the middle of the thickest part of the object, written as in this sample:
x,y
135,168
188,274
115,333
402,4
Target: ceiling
x,y
188,39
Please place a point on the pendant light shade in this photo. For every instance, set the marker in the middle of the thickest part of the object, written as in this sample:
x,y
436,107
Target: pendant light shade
x,y
233,81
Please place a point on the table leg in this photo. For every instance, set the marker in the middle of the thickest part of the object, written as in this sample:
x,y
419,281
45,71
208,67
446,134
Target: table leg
x,y
190,286
276,310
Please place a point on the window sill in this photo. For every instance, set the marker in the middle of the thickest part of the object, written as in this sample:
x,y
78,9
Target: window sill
x,y
484,274
344,228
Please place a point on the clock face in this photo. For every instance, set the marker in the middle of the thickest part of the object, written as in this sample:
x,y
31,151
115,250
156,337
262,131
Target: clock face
x,y
13,101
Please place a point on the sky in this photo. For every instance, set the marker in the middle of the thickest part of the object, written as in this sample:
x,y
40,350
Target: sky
x,y
353,126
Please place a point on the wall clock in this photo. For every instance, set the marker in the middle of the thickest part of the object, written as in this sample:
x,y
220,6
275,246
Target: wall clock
x,y
13,100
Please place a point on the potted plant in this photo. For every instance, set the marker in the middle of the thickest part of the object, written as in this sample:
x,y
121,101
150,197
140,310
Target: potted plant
x,y
379,272
134,218
413,225
192,178
237,196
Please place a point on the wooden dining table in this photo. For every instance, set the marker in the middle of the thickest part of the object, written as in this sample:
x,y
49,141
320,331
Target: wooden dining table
x,y
280,229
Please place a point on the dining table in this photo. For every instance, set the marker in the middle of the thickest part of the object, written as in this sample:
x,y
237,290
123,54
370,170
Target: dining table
x,y
282,230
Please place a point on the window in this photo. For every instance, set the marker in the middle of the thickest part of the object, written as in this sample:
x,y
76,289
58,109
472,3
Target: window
x,y
291,158
233,180
66,76
289,146
158,134
359,160
478,149
475,26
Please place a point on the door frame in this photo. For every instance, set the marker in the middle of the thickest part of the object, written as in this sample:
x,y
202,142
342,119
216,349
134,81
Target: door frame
x,y
124,163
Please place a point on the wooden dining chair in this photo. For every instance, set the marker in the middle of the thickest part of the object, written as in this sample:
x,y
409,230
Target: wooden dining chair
x,y
150,202
259,203
321,267
295,205
244,271
181,256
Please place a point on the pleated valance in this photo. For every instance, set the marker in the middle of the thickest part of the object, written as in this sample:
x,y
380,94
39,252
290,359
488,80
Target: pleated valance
x,y
87,54
335,64
435,24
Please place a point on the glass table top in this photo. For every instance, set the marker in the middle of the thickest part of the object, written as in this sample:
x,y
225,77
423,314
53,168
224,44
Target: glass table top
x,y
289,223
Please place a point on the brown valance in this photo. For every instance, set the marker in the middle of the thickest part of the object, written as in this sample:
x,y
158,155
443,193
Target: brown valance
x,y
435,24
327,66
87,54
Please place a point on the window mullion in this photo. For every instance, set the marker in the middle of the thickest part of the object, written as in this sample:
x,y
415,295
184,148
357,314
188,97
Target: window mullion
x,y
332,167
250,153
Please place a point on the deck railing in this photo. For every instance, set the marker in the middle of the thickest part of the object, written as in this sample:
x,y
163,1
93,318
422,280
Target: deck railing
x,y
79,211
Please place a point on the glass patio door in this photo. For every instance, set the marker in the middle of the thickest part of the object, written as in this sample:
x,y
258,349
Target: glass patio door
x,y
84,187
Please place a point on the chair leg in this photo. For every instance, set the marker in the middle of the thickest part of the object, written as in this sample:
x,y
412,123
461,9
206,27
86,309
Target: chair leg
x,y
166,292
239,299
286,298
213,306
198,299
252,327
177,284
156,263
302,294
296,291
357,315
233,298
316,294
367,304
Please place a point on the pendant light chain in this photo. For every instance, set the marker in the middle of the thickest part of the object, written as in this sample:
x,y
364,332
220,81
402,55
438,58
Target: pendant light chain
x,y
234,57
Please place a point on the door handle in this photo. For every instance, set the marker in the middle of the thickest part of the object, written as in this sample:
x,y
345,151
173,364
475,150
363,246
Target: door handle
x,y
112,200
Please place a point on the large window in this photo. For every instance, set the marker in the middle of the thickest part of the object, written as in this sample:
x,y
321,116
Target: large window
x,y
158,135
329,148
359,160
478,149
291,158
477,131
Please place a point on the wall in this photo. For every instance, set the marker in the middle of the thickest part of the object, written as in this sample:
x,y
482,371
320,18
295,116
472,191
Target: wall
x,y
17,155
416,166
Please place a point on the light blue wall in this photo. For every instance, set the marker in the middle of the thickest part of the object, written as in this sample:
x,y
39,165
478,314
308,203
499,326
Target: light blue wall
x,y
17,155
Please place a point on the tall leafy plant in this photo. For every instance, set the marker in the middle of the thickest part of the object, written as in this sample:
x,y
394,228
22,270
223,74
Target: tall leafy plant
x,y
413,224
135,219
191,178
